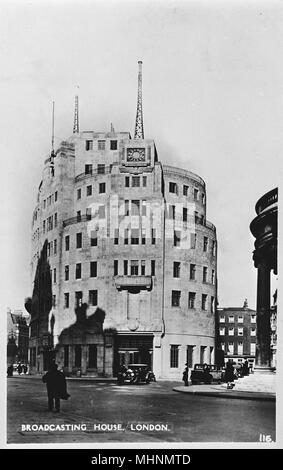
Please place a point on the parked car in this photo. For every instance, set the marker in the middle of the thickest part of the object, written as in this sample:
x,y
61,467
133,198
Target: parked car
x,y
207,374
135,374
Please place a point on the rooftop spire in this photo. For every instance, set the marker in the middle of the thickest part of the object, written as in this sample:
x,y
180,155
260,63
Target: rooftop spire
x,y
76,116
139,133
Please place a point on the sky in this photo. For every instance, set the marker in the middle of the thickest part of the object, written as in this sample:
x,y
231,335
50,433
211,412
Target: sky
x,y
212,101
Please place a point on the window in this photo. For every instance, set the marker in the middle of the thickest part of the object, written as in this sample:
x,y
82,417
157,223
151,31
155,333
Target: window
x,y
222,330
92,297
193,240
79,216
204,301
134,267
44,204
143,207
176,269
126,236
192,299
185,190
113,144
174,356
54,276
135,207
66,356
212,304
253,331
54,300
79,298
202,198
153,267
67,273
67,243
231,318
171,212
144,181
212,276
223,346
143,267
93,269
88,213
190,355
231,331
78,271
93,238
66,300
143,236
102,188
88,169
177,238
55,219
253,348
202,353
231,347
116,236
56,196
92,356
115,267
78,355
205,243
127,181
135,181
195,194
222,318
240,319
240,331
43,226
101,145
213,248
79,193
125,267
89,190
153,236
79,240
101,169
240,347
55,247
173,188
134,236
192,272
253,318
89,144
176,297
204,274
185,214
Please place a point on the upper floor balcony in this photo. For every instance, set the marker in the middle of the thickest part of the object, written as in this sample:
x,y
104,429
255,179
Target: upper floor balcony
x,y
133,282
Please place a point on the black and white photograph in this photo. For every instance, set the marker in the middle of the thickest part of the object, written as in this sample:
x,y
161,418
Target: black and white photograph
x,y
141,160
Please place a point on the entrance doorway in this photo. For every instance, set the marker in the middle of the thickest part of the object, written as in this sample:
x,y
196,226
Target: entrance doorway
x,y
132,349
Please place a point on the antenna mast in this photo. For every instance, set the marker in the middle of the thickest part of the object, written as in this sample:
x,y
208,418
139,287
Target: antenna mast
x,y
139,132
52,141
76,116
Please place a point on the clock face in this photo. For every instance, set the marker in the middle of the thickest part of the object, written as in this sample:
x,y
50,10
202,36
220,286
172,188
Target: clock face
x,y
136,155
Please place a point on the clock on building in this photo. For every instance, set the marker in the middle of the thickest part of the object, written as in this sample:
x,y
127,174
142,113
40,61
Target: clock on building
x,y
136,155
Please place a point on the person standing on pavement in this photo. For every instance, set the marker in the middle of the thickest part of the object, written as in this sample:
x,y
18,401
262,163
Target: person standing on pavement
x,y
186,376
229,374
246,369
56,387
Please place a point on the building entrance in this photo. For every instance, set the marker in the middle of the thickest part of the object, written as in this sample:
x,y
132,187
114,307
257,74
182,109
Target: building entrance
x,y
132,349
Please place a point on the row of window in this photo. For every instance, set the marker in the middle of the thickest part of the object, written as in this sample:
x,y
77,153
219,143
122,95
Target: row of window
x,y
235,331
205,355
237,348
101,190
50,223
92,298
130,267
176,300
101,144
238,318
197,195
50,200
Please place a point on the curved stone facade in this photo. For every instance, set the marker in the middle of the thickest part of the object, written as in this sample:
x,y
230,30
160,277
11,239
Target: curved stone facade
x,y
132,260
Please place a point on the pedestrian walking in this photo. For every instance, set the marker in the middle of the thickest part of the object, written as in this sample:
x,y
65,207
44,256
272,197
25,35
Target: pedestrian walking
x,y
186,376
229,374
56,387
246,368
10,370
25,367
20,369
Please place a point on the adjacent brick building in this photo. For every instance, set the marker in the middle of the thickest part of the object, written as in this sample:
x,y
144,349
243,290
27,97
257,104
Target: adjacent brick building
x,y
237,333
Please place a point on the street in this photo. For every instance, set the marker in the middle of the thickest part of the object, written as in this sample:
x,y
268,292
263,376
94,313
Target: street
x,y
95,407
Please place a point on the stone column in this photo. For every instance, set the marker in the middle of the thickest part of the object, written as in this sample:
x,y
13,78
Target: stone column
x,y
262,361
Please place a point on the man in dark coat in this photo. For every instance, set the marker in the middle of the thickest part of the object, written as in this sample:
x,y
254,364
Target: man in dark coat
x,y
229,374
56,387
186,376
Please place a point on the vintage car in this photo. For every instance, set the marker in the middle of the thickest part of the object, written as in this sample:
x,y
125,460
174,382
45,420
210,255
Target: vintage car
x,y
204,373
135,374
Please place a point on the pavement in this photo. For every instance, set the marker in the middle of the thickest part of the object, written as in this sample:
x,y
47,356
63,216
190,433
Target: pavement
x,y
252,387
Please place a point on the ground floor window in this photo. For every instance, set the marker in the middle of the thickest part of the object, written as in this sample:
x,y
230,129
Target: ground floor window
x,y
174,356
92,356
190,354
78,355
202,353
